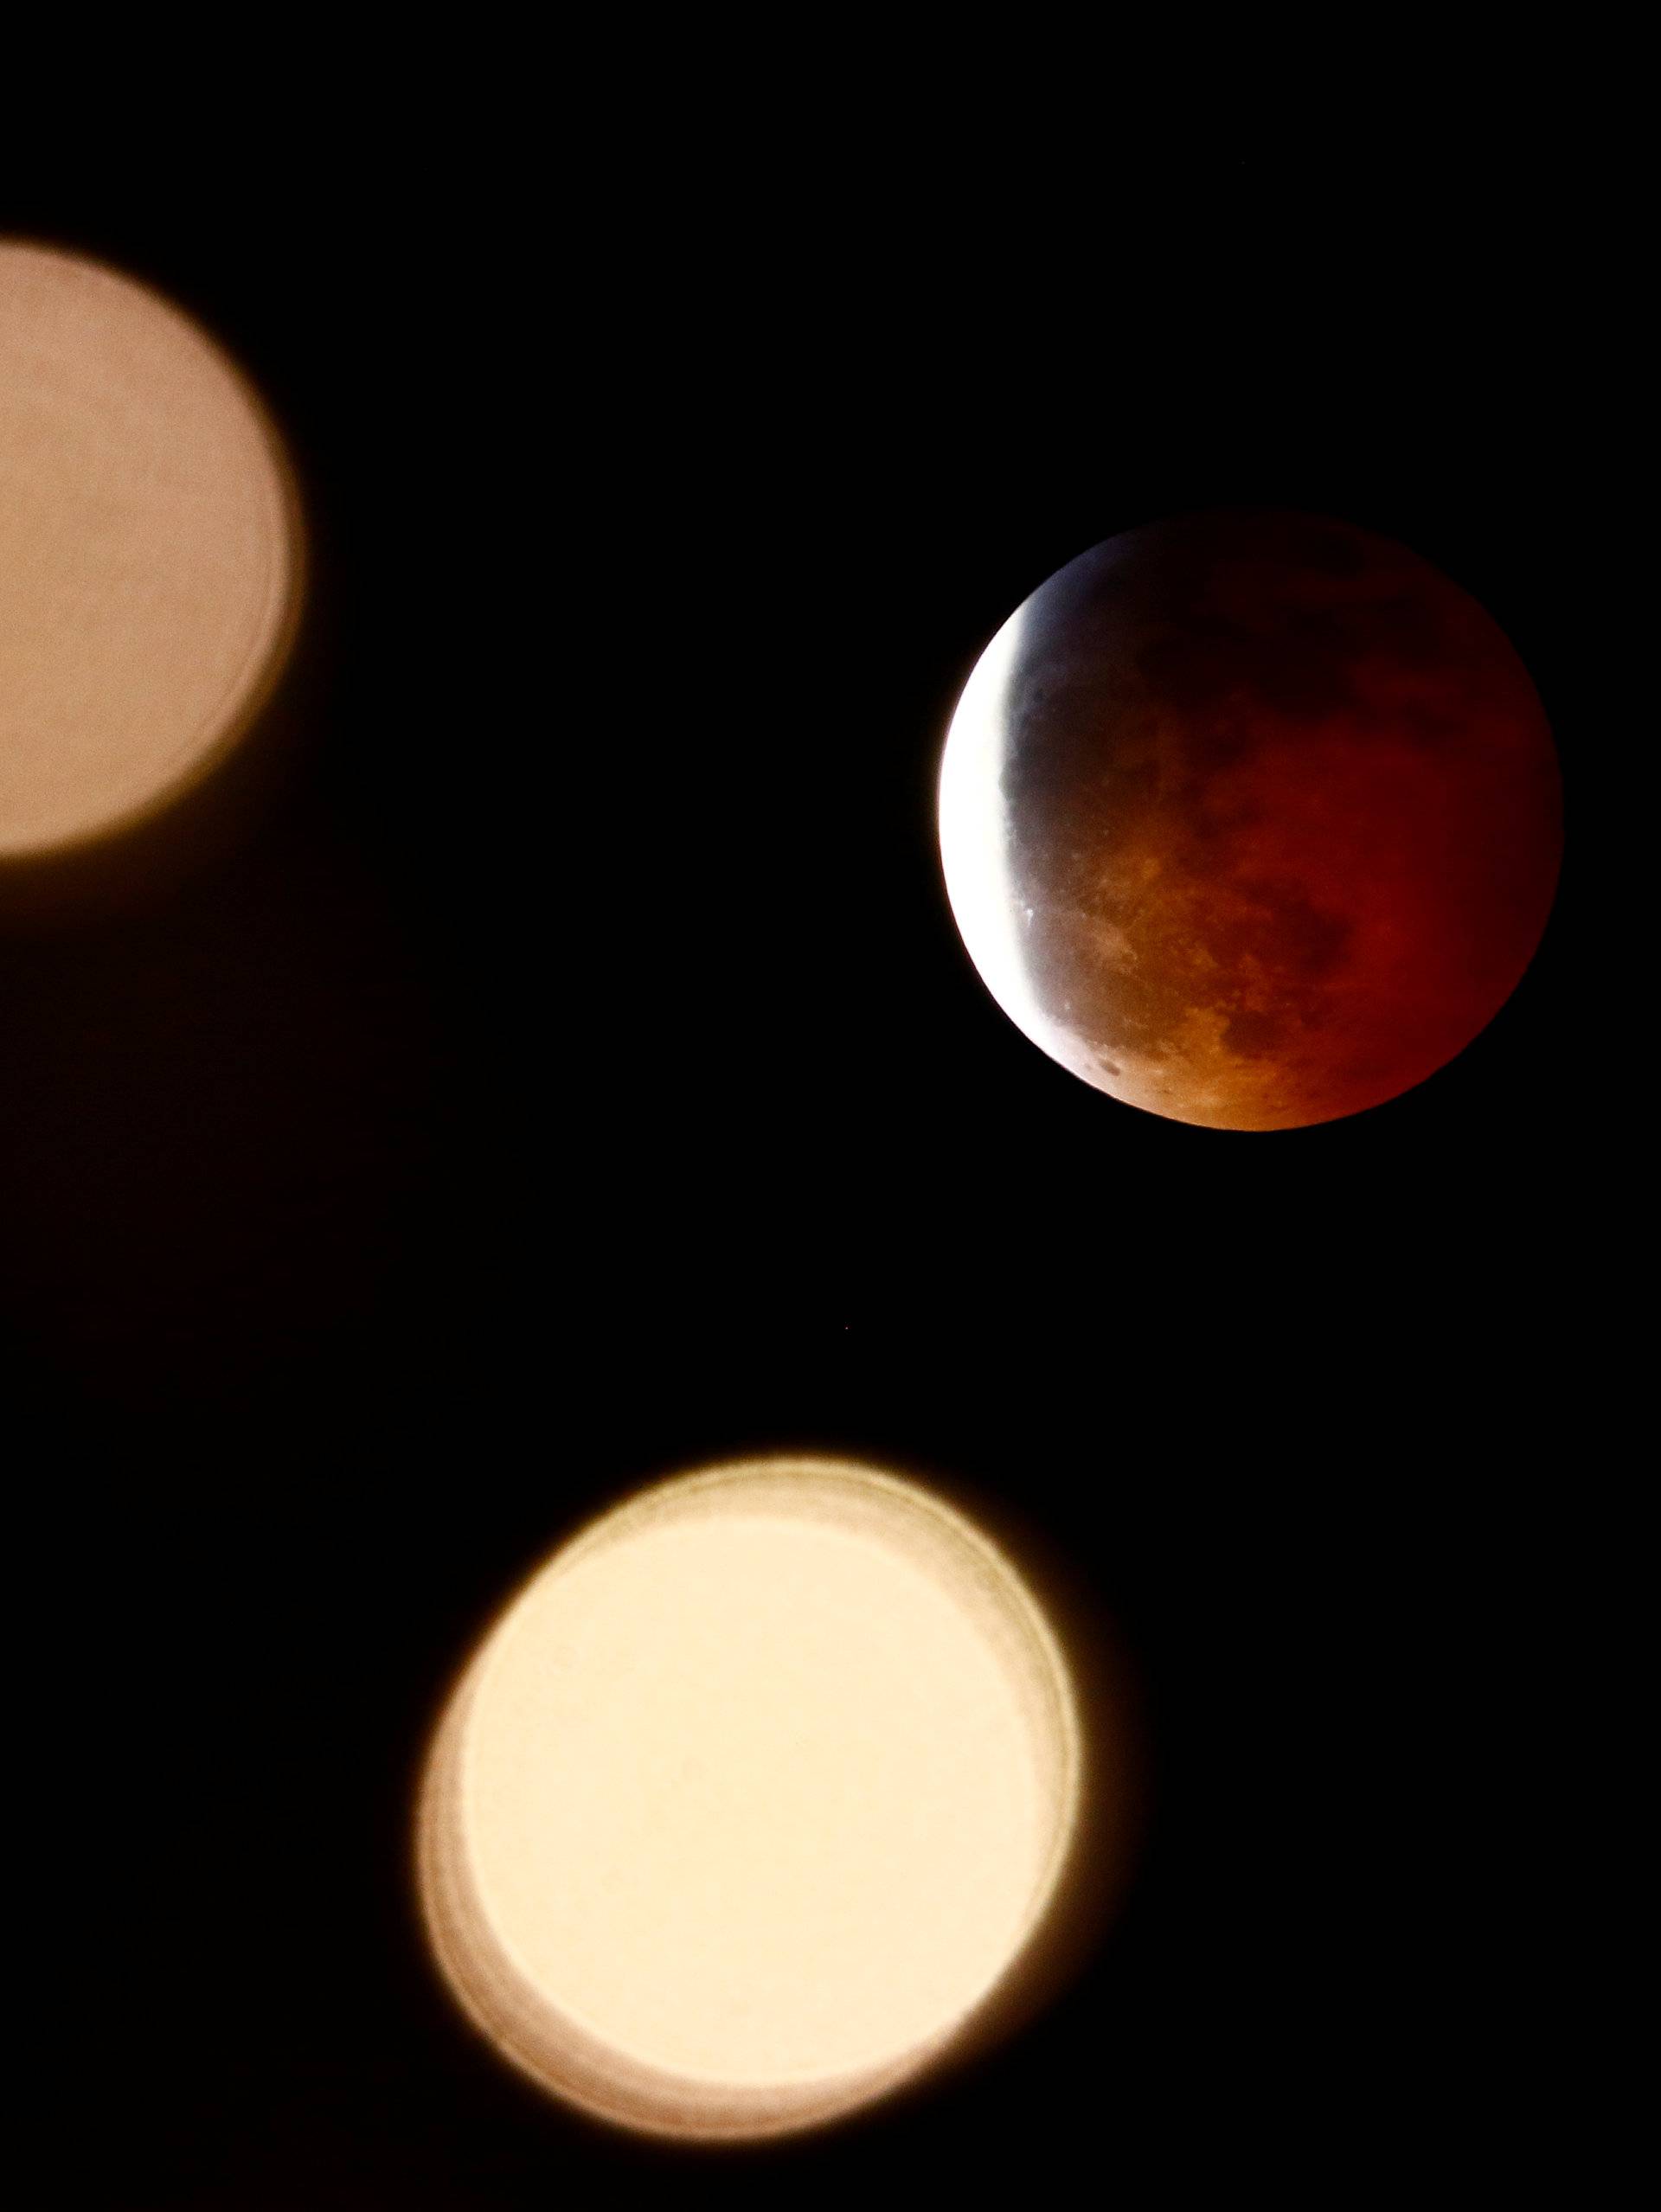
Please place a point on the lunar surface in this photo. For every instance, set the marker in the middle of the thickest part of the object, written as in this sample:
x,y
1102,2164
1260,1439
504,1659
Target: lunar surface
x,y
149,552
1252,820
751,1801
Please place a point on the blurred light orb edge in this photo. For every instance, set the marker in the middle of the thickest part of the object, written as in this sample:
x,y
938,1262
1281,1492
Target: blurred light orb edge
x,y
154,569
744,1745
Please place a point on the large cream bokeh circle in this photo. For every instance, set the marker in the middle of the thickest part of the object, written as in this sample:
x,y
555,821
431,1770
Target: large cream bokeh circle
x,y
750,1800
149,556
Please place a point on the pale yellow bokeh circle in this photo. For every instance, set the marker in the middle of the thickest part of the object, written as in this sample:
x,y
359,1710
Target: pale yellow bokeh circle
x,y
751,1799
150,553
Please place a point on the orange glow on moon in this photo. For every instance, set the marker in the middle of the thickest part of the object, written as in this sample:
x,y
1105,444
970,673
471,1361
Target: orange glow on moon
x,y
752,1802
149,553
1252,820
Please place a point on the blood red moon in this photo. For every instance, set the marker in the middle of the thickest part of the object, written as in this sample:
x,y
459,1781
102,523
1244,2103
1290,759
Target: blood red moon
x,y
1252,820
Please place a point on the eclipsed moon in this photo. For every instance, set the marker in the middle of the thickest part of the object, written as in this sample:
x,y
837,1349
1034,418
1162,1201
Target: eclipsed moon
x,y
149,553
1250,819
752,1801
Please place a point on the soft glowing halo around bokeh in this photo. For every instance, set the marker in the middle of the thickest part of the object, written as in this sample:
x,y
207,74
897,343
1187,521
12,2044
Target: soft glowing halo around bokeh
x,y
751,1800
149,554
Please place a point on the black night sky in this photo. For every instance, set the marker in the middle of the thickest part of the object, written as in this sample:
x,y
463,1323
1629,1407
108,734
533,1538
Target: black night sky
x,y
575,1075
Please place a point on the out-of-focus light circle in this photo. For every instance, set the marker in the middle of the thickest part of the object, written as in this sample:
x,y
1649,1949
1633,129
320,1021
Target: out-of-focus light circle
x,y
752,1802
149,553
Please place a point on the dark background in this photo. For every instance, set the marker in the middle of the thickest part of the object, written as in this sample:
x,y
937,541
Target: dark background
x,y
576,1076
